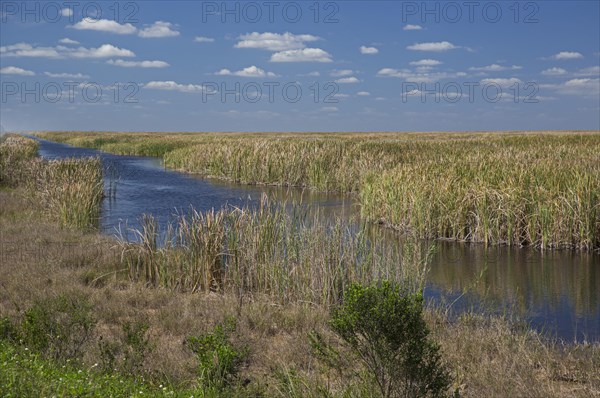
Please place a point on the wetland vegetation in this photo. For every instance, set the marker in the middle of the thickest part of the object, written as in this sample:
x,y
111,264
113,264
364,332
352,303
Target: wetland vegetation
x,y
251,302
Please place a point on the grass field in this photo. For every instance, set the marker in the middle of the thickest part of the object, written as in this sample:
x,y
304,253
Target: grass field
x,y
538,189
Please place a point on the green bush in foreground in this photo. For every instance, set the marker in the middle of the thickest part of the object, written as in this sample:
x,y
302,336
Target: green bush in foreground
x,y
384,327
219,360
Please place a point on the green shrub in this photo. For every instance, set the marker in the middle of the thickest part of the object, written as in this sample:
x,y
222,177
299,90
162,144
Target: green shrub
x,y
219,360
58,328
385,328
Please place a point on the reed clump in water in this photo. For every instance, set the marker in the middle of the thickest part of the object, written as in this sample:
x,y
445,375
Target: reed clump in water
x,y
535,189
285,254
70,189
15,153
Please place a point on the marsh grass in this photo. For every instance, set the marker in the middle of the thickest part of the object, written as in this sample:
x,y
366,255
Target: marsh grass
x,y
524,189
280,250
70,189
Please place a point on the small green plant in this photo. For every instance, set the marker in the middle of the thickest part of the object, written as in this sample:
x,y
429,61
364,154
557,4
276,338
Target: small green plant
x,y
60,327
385,328
219,360
137,344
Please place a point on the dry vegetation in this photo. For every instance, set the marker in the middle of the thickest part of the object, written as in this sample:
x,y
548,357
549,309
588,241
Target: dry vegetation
x,y
488,356
538,189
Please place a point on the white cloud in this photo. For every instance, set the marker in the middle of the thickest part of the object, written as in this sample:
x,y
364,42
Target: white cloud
x,y
494,68
502,82
251,71
347,80
412,27
274,41
433,46
173,86
105,25
27,50
202,39
591,71
368,50
138,64
315,73
341,72
13,70
426,62
66,40
584,87
567,55
104,51
329,109
158,29
66,12
303,55
363,93
66,75
554,72
417,77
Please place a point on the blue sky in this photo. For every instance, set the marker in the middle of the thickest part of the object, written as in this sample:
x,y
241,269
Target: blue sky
x,y
300,66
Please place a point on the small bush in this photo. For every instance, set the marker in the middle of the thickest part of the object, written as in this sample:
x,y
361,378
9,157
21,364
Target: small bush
x,y
219,359
58,328
385,328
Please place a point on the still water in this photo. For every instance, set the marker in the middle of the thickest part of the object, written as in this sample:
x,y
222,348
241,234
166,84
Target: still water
x,y
556,292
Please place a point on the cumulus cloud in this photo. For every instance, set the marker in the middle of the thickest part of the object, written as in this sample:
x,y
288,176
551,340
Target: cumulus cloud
x,y
368,50
567,55
66,12
591,71
27,50
554,72
66,40
203,39
341,72
433,46
585,87
274,41
158,29
412,27
251,71
502,82
329,109
347,80
66,75
426,62
494,68
138,64
104,51
13,70
302,55
418,76
174,86
105,25
363,93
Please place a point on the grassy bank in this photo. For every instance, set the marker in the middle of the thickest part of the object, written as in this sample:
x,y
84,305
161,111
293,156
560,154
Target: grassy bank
x,y
525,189
77,319
69,189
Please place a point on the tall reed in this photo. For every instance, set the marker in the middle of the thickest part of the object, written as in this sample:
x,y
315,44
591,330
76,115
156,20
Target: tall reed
x,y
278,250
